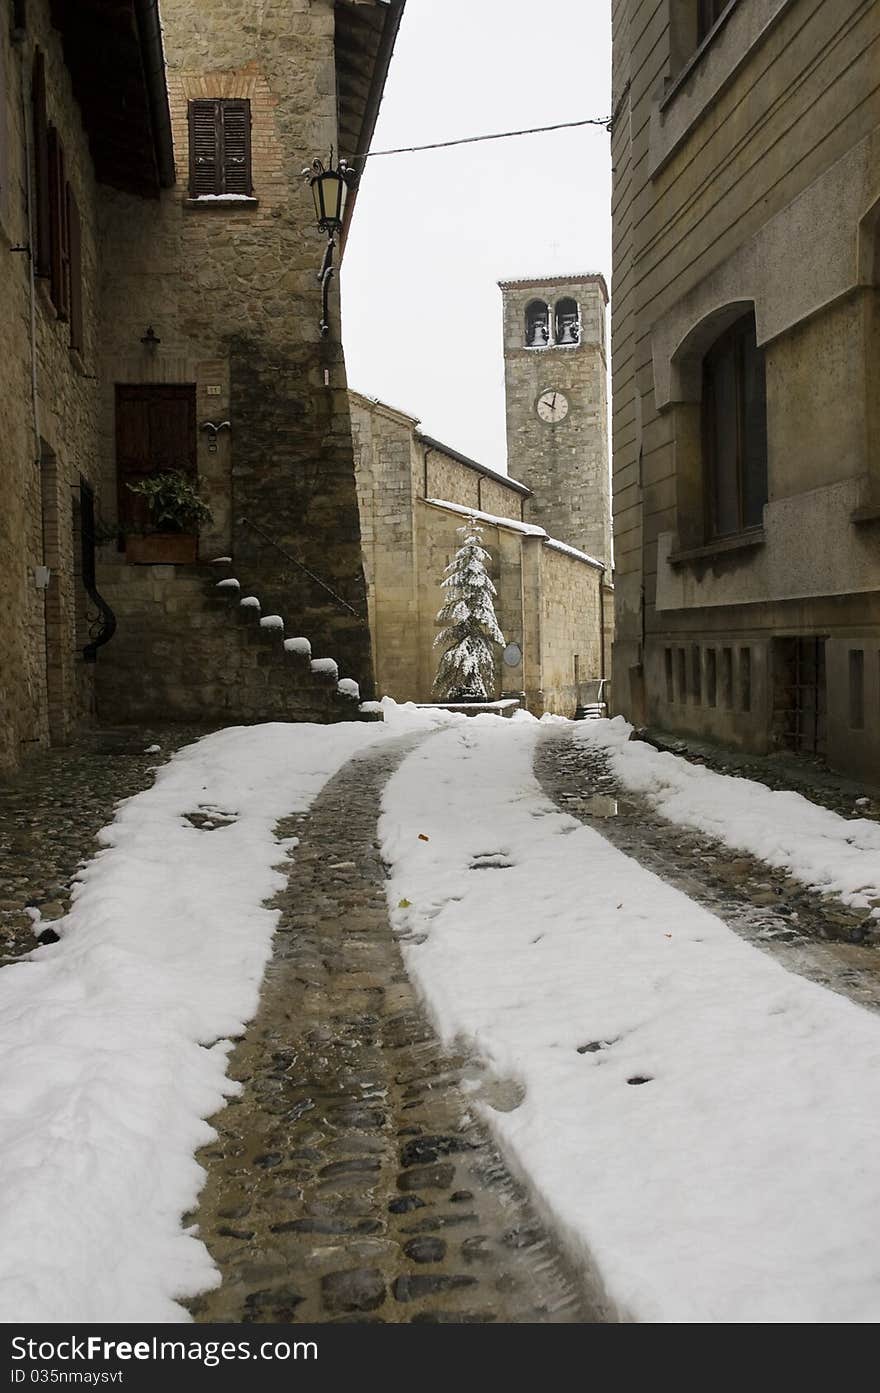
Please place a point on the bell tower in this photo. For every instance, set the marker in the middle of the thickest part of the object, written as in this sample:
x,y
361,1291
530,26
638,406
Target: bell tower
x,y
555,376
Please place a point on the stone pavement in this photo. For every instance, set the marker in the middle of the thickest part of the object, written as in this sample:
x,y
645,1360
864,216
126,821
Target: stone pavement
x,y
51,812
350,1179
815,935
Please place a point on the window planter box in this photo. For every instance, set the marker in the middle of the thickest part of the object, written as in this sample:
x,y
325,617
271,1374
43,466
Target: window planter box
x,y
162,549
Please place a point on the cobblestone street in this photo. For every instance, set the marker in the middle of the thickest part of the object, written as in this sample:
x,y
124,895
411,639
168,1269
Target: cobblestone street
x,y
351,1179
816,936
52,811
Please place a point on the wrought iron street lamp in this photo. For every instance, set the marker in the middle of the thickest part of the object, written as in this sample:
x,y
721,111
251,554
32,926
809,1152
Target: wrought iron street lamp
x,y
329,188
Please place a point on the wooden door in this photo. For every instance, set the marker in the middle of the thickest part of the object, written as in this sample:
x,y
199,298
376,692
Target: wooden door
x,y
155,432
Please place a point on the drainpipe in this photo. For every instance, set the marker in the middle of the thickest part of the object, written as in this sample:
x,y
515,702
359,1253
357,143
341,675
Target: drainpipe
x,y
602,625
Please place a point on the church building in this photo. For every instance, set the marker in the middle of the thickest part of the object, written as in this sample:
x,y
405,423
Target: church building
x,y
546,524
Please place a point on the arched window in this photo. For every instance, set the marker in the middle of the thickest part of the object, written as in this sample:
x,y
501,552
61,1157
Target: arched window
x,y
568,324
708,14
734,430
537,324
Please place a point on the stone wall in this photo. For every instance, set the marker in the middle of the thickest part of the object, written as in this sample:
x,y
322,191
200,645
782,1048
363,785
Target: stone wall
x,y
548,601
48,443
192,651
387,469
231,291
571,628
763,141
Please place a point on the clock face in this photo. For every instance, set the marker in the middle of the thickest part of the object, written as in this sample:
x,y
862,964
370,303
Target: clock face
x,y
552,406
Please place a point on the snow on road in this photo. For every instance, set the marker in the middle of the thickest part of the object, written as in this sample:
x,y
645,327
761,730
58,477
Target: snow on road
x,y
699,1123
827,852
113,1041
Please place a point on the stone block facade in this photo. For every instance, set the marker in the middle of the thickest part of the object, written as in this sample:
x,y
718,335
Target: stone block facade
x,y
414,494
747,189
561,452
218,297
49,414
188,647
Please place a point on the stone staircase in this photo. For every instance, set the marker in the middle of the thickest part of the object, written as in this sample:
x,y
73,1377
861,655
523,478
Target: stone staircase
x,y
193,644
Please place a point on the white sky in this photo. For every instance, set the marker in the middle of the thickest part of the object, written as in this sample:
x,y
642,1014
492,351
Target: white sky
x,y
433,233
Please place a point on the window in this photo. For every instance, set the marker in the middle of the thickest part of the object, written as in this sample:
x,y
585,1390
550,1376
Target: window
x,y
727,678
74,229
711,677
857,688
568,328
537,324
220,147
40,133
734,431
682,676
59,230
708,13
696,675
745,679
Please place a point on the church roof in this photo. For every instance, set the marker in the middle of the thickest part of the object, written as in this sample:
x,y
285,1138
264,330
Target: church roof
x,y
473,464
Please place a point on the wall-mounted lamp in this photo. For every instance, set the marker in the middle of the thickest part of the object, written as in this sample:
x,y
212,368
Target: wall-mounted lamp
x,y
214,430
329,188
150,339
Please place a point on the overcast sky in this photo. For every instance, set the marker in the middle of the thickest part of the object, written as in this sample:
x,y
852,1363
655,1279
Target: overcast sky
x,y
433,233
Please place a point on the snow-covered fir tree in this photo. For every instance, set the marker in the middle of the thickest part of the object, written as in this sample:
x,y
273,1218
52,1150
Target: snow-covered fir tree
x,y
470,628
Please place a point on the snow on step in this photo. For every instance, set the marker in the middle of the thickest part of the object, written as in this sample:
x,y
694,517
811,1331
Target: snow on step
x,y
348,687
271,621
250,602
326,665
220,561
298,645
230,584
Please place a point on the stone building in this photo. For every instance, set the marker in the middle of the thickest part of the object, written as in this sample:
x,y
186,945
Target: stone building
x,y
554,602
162,307
555,373
746,368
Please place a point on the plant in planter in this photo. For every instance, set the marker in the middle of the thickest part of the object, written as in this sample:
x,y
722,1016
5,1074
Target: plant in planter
x,y
177,510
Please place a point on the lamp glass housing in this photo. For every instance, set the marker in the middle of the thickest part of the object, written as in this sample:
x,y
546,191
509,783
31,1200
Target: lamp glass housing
x,y
328,191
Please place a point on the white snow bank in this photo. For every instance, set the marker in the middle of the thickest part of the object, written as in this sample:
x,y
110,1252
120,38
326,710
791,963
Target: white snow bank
x,y
348,687
739,1183
113,1041
827,852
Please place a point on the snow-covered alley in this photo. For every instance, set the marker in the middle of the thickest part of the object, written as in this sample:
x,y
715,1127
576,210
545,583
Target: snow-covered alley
x,y
585,1097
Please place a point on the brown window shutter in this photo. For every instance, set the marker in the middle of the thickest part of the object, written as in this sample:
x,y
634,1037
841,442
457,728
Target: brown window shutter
x,y
204,148
41,251
76,289
59,245
236,128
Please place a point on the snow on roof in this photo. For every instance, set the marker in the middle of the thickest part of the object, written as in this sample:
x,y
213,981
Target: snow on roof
x,y
527,529
384,406
573,551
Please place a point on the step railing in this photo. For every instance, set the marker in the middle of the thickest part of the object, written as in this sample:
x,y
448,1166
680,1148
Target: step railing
x,y
337,599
